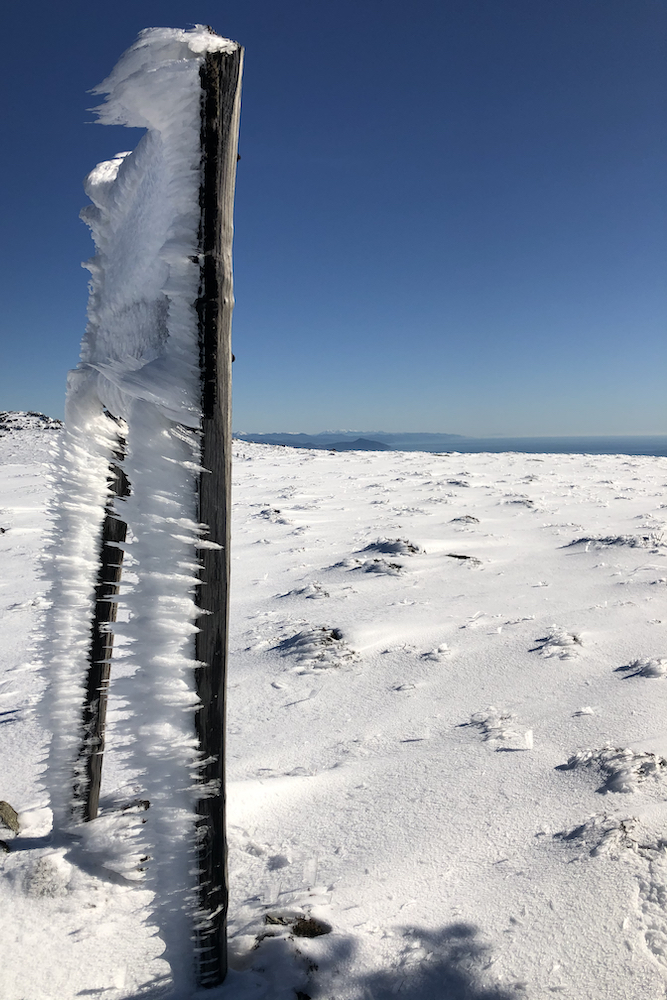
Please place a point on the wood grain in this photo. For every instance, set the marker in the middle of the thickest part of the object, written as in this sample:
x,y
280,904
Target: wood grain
x,y
221,87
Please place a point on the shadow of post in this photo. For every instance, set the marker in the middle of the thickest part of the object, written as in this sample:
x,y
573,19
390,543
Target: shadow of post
x,y
448,963
452,965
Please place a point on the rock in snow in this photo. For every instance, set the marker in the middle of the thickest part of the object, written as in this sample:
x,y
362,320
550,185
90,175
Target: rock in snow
x,y
9,817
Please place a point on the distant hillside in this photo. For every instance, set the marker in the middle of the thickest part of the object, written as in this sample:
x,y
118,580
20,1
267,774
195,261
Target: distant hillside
x,y
361,444
349,440
27,420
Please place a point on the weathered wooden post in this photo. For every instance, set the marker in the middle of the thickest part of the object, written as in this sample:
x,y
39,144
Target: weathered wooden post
x,y
221,99
150,402
88,774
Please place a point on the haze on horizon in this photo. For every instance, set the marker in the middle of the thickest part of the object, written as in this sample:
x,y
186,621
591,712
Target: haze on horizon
x,y
449,219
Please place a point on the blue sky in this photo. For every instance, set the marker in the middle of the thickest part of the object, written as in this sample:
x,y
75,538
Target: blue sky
x,y
450,213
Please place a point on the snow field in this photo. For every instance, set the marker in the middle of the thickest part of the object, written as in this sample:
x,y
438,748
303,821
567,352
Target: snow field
x,y
457,766
413,782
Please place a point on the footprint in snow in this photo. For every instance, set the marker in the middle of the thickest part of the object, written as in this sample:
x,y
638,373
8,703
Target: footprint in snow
x,y
614,837
48,876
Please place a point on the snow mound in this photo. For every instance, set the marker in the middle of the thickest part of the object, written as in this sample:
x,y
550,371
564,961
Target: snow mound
x,y
393,547
318,648
622,769
377,565
558,643
437,653
602,834
646,667
520,501
652,540
382,566
273,515
494,724
312,591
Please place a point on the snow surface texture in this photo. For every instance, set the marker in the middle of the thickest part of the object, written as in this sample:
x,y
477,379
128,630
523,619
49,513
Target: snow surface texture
x,y
474,819
140,363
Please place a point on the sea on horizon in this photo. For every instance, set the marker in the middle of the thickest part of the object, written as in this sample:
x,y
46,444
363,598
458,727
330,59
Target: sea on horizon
x,y
634,445
654,444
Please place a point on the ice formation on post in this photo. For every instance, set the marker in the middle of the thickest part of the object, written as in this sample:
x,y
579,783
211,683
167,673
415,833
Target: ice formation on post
x,y
139,381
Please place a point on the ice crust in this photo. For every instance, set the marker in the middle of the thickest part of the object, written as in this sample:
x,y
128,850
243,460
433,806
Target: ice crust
x,y
139,363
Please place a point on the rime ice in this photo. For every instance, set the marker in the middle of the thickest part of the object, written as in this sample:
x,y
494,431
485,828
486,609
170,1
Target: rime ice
x,y
136,391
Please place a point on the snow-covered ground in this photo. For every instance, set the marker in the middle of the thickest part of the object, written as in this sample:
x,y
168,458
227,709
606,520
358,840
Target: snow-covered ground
x,y
447,737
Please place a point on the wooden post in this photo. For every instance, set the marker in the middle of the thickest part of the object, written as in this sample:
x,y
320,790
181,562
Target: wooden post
x,y
88,777
221,98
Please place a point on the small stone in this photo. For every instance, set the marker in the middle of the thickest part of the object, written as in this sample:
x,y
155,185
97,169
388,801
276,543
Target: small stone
x,y
310,927
4,846
9,816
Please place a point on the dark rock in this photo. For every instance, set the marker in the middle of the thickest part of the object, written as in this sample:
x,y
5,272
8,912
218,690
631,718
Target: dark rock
x,y
9,817
310,927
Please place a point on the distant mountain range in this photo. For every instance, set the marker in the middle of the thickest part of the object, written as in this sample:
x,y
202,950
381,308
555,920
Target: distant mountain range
x,y
353,441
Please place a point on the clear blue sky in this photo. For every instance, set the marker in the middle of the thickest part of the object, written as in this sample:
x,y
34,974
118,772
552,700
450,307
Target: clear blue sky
x,y
450,213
